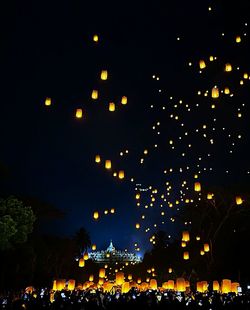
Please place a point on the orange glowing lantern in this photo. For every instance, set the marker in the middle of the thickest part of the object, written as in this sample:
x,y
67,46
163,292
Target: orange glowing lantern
x,y
47,101
86,256
124,100
102,273
71,285
206,247
119,278
215,92
108,164
185,236
78,113
94,94
96,215
81,262
202,64
91,278
171,284
238,200
93,247
104,75
111,106
98,159
228,67
197,186
121,174
186,255
226,286
180,285
216,286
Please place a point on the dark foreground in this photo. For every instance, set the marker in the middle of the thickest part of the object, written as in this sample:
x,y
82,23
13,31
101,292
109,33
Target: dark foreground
x,y
97,300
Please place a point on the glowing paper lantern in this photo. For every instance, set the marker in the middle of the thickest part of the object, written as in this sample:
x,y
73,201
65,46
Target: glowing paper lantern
x,y
137,225
78,113
228,67
96,215
119,278
170,284
124,100
234,287
210,196
226,286
130,277
186,255
215,92
47,101
102,273
238,200
125,287
185,236
54,286
60,284
153,284
98,159
180,285
86,256
91,278
183,244
112,210
245,76
121,174
198,238
94,94
197,186
199,287
93,247
111,106
139,280
71,285
108,164
227,91
170,270
101,281
95,38
206,247
137,196
238,39
81,262
202,252
202,64
104,75
216,286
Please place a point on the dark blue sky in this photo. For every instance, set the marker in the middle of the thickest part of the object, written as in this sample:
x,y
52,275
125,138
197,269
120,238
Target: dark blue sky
x,y
48,51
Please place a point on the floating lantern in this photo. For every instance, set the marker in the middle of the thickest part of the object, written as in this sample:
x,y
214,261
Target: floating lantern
x,y
228,67
101,281
202,252
206,247
78,113
112,210
94,94
180,285
121,174
245,76
170,270
104,75
93,247
130,277
102,273
153,284
238,200
54,286
186,255
81,262
95,38
71,285
215,92
216,286
185,236
119,278
226,286
234,287
91,278
139,280
125,287
198,238
47,101
108,164
170,284
86,256
197,186
202,64
111,106
137,225
96,215
238,39
227,91
183,244
60,284
137,196
124,100
98,159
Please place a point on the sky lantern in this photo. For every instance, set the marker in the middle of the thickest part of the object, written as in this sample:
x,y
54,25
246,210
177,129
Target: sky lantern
x,y
47,101
198,238
93,247
130,277
185,236
245,76
96,215
137,225
137,196
226,286
102,273
206,247
81,262
94,94
78,113
227,91
121,174
228,67
104,75
111,106
95,38
180,285
197,186
170,284
124,100
139,280
202,252
112,210
211,58
170,270
186,255
71,284
153,284
238,200
215,92
183,244
216,286
210,196
91,278
202,64
86,256
238,39
119,278
108,164
98,159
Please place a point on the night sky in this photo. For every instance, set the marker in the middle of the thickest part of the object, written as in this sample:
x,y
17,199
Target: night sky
x,y
47,50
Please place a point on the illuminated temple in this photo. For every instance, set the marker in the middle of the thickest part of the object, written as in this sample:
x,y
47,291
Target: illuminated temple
x,y
111,255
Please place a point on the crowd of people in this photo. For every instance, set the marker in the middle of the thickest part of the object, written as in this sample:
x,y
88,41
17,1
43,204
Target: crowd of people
x,y
96,299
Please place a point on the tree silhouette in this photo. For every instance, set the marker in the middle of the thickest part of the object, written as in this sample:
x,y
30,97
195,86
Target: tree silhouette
x,y
82,240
